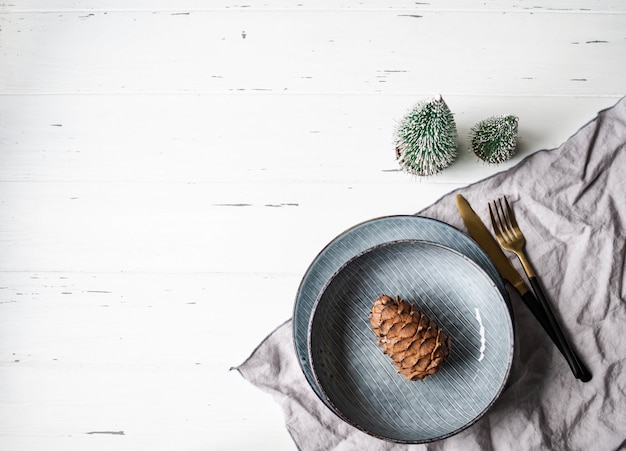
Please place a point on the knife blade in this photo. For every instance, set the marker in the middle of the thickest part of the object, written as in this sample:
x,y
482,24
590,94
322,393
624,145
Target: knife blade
x,y
481,234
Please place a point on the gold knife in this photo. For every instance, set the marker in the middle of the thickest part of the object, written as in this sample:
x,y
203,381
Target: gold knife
x,y
479,232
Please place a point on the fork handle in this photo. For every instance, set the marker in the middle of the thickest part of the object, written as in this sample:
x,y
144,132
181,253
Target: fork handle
x,y
578,368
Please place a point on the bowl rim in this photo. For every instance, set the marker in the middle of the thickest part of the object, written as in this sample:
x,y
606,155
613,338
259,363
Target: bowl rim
x,y
415,219
503,298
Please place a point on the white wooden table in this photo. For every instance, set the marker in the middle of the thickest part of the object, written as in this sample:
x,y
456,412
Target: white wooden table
x,y
168,170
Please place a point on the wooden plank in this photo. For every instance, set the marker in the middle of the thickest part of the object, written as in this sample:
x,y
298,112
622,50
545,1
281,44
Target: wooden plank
x,y
138,321
260,138
325,5
317,52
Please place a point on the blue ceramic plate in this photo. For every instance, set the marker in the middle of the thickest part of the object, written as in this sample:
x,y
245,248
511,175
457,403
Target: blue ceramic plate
x,y
354,241
357,378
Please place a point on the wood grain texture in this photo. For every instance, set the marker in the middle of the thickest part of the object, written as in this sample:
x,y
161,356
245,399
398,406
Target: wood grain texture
x,y
169,169
563,6
292,52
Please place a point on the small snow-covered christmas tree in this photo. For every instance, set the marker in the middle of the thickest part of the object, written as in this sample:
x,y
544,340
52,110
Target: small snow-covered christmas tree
x,y
494,139
425,138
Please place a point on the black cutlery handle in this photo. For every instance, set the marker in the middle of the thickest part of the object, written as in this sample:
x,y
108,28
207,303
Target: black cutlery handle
x,y
537,310
578,368
540,315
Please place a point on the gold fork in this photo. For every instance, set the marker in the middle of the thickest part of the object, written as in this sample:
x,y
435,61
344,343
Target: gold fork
x,y
511,238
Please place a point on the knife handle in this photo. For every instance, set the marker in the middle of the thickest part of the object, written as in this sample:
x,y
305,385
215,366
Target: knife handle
x,y
537,310
541,309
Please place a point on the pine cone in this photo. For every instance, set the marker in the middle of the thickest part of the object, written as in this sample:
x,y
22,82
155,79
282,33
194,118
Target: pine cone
x,y
416,345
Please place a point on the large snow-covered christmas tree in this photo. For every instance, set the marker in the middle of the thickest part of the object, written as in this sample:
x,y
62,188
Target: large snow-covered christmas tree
x,y
425,139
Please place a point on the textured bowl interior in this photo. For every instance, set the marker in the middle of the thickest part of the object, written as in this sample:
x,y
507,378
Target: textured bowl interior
x,y
358,379
356,240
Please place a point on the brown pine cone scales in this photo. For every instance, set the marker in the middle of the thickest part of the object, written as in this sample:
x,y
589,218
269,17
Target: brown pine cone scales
x,y
416,345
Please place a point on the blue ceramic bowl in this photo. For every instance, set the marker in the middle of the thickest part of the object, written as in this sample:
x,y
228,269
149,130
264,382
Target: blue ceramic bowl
x,y
356,240
358,380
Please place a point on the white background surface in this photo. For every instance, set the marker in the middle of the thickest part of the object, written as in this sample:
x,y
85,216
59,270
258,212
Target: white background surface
x,y
168,170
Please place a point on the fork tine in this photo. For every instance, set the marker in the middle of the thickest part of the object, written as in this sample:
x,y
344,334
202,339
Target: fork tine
x,y
514,229
494,220
511,216
502,219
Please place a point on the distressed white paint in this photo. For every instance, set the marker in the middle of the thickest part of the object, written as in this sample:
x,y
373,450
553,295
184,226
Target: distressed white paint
x,y
168,170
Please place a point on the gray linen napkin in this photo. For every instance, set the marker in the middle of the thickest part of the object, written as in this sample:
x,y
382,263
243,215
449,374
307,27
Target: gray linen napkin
x,y
570,203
